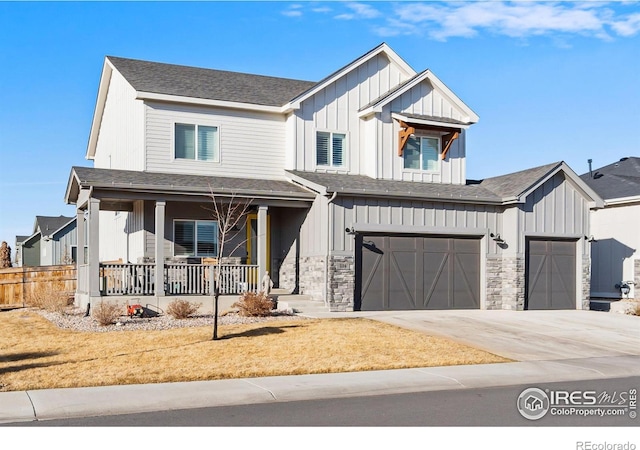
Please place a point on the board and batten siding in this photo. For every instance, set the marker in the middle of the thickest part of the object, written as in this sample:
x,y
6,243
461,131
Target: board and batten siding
x,y
335,108
62,243
556,208
251,144
410,216
121,234
422,99
120,144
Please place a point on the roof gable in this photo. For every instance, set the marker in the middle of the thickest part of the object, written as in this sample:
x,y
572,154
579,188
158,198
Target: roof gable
x,y
383,48
516,187
426,76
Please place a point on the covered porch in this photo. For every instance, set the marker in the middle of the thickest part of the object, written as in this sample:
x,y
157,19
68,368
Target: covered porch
x,y
151,236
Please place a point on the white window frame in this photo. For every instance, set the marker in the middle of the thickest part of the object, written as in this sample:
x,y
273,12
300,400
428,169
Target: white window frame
x,y
345,150
420,137
217,157
195,237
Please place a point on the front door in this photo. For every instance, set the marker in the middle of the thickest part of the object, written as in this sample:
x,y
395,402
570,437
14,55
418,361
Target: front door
x,y
252,240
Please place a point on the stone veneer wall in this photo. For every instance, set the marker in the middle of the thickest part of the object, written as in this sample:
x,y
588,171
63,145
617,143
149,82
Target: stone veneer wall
x,y
312,278
586,282
494,283
636,278
513,283
288,275
341,283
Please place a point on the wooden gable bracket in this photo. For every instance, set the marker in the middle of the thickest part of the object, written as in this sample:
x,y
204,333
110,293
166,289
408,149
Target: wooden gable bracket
x,y
447,140
406,130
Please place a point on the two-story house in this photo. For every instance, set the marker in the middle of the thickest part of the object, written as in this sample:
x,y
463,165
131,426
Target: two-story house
x,y
357,184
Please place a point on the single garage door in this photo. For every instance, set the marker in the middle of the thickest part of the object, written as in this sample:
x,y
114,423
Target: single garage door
x,y
550,274
417,272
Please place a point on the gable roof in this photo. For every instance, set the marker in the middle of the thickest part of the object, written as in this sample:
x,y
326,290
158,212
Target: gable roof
x,y
382,48
48,225
196,82
618,180
515,187
428,76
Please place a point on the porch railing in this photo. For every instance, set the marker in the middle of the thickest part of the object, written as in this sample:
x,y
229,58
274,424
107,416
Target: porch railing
x,y
178,279
127,279
195,279
82,286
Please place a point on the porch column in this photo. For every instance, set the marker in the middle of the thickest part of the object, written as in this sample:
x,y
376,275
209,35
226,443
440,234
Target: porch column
x,y
94,247
262,241
79,237
159,278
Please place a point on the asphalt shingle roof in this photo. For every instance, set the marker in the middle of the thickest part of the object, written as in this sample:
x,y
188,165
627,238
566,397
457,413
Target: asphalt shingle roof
x,y
363,185
178,183
514,184
171,79
48,225
617,180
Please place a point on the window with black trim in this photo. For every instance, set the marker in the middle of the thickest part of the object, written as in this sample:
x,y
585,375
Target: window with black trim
x,y
195,238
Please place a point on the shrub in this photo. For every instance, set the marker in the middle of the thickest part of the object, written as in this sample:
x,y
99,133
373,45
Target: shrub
x,y
106,313
49,296
182,309
254,305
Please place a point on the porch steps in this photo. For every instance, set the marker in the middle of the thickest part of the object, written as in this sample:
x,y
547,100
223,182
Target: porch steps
x,y
300,304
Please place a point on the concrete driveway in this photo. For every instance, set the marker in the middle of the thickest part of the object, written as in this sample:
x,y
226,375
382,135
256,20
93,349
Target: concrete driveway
x,y
525,335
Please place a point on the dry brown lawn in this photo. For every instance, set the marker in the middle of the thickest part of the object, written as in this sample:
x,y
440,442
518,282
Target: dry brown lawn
x,y
35,354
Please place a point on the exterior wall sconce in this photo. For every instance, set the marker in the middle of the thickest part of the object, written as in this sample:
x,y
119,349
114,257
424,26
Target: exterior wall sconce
x,y
496,237
590,239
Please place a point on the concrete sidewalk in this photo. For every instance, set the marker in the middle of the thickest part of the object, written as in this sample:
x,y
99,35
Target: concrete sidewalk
x,y
84,402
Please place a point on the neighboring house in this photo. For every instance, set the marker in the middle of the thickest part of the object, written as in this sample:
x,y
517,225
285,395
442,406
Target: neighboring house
x,y
358,185
615,248
52,242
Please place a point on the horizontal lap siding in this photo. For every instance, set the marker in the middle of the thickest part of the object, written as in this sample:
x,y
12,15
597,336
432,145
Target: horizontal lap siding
x,y
252,144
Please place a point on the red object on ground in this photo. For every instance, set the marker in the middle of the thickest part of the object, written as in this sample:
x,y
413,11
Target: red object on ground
x,y
135,310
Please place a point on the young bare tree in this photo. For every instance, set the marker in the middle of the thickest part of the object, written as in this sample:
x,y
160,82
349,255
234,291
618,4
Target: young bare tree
x,y
5,255
230,213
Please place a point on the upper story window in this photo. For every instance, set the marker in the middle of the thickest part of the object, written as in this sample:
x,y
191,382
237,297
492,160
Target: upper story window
x,y
195,238
197,142
421,153
330,149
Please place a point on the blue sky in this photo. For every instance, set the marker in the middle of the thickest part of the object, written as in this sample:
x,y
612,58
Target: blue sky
x,y
550,80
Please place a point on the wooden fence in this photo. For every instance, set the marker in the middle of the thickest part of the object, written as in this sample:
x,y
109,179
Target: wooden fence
x,y
17,283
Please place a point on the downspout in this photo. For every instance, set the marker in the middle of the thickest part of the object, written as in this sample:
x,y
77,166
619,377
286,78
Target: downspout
x,y
329,241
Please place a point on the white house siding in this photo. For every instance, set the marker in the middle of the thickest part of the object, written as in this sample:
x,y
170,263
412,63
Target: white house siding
x,y
615,249
423,100
121,234
121,138
335,108
313,250
252,144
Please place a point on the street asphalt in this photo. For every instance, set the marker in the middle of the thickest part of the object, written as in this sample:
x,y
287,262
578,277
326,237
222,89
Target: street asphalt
x,y
548,346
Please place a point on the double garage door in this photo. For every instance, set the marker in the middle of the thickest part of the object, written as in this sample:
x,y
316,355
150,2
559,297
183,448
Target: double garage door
x,y
395,272
417,272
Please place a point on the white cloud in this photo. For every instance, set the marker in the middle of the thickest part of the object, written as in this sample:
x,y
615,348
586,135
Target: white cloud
x,y
443,20
322,9
360,11
294,10
628,26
